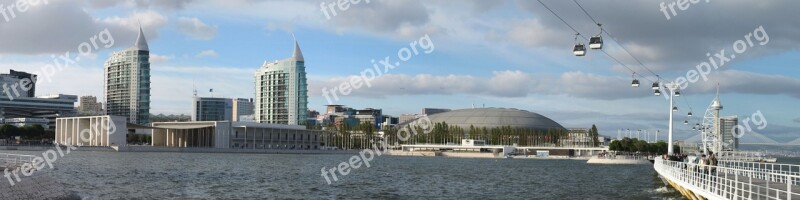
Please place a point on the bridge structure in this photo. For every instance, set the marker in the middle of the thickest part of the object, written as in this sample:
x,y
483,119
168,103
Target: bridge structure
x,y
731,179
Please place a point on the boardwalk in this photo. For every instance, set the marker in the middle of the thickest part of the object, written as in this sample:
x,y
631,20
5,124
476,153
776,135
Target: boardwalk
x,y
732,180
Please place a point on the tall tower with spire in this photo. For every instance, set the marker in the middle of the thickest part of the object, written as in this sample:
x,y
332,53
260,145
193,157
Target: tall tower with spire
x,y
718,132
127,82
281,95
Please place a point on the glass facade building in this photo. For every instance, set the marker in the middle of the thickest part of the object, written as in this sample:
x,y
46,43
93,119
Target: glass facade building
x,y
281,91
127,82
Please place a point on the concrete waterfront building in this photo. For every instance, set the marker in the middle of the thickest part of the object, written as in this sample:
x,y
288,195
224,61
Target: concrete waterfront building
x,y
88,105
127,82
211,109
98,131
728,132
43,107
18,84
242,108
235,135
282,91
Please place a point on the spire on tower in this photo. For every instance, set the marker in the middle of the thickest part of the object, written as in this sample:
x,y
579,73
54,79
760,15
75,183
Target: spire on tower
x,y
716,104
141,42
297,54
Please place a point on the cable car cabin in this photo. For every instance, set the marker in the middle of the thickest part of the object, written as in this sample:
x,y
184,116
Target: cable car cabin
x,y
579,50
635,83
596,42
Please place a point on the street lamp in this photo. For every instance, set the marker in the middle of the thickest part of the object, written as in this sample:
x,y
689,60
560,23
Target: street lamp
x,y
672,88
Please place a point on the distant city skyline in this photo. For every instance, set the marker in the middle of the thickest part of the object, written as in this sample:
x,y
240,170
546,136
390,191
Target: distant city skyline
x,y
497,54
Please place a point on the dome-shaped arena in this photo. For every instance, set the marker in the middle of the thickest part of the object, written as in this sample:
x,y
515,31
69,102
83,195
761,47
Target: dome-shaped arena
x,y
495,117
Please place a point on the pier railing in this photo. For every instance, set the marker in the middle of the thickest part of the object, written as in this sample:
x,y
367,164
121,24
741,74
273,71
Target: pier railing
x,y
730,180
14,160
740,156
769,168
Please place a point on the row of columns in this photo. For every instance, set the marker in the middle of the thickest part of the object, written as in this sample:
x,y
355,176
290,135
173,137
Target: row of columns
x,y
306,138
200,137
91,131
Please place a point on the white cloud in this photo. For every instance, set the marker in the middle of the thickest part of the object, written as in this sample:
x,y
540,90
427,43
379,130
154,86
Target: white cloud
x,y
60,26
196,29
207,53
155,58
573,84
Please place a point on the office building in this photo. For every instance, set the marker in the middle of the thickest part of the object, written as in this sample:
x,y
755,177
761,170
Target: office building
x,y
18,84
370,115
45,107
281,91
242,109
212,109
729,133
88,105
127,82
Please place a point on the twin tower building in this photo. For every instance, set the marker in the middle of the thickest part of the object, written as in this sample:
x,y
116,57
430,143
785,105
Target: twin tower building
x,y
281,90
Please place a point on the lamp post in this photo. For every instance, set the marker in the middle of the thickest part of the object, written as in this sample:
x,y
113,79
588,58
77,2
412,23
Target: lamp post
x,y
672,89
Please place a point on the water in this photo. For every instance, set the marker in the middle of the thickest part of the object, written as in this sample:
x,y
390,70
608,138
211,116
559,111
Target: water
x,y
109,175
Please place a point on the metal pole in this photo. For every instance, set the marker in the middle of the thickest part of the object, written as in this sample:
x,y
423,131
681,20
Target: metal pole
x,y
670,149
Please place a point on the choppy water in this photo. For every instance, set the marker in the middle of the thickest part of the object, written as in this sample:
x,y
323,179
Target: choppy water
x,y
111,175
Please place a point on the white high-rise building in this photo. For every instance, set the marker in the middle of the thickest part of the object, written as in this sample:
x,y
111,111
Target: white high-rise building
x,y
281,91
127,82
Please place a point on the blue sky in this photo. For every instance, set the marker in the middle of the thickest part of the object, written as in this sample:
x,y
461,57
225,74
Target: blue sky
x,y
512,54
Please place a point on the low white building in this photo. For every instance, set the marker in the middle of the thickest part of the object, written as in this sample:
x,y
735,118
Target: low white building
x,y
235,135
92,131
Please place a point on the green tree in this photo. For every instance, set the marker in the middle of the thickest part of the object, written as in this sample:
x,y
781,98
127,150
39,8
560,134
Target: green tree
x,y
594,134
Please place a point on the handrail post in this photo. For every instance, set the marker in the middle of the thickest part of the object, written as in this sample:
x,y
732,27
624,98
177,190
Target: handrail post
x,y
788,188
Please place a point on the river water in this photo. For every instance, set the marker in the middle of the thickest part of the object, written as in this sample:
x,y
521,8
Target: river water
x,y
136,175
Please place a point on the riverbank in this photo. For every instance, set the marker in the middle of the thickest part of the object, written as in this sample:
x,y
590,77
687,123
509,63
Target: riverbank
x,y
475,155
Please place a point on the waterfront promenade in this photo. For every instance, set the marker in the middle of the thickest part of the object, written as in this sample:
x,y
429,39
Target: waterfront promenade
x,y
732,179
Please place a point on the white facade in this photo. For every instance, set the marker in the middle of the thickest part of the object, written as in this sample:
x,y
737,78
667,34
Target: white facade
x,y
101,131
235,135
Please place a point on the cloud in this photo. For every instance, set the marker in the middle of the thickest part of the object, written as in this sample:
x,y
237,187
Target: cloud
x,y
142,4
797,120
196,29
684,39
207,53
734,81
61,26
155,58
574,84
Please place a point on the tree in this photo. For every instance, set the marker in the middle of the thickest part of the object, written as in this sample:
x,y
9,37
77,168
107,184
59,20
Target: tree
x,y
594,134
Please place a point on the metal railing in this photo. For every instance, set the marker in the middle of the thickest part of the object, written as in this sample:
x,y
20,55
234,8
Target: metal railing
x,y
728,181
741,156
768,168
14,160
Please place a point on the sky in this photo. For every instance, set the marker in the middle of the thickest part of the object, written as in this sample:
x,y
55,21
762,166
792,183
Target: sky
x,y
461,54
